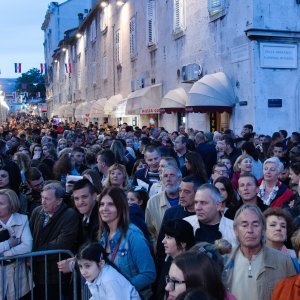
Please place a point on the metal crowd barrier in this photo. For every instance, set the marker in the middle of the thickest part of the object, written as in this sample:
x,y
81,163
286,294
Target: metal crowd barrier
x,y
27,259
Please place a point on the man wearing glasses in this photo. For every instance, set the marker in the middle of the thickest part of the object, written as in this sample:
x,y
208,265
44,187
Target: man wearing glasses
x,y
35,183
219,170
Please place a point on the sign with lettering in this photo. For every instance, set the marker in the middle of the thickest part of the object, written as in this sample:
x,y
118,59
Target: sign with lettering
x,y
278,56
239,53
148,111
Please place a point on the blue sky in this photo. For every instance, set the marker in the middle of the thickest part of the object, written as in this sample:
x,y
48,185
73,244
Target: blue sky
x,y
21,37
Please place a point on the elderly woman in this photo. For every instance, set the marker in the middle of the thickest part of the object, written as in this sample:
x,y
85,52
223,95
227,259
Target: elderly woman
x,y
271,190
279,226
15,239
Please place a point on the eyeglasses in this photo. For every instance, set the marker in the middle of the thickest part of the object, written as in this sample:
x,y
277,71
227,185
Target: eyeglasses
x,y
220,172
172,283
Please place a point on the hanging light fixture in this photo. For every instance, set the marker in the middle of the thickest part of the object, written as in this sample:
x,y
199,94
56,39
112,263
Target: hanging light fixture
x,y
103,3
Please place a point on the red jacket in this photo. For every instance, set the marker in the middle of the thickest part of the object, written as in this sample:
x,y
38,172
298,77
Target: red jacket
x,y
284,194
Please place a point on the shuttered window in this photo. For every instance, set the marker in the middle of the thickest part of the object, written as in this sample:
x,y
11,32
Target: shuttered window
x,y
104,67
118,46
104,19
151,22
93,31
179,15
132,32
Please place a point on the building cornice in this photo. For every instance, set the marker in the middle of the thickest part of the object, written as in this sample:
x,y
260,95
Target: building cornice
x,y
273,34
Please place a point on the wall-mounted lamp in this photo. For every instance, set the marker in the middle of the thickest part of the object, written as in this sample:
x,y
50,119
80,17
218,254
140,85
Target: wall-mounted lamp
x,y
56,61
78,35
104,3
64,49
120,2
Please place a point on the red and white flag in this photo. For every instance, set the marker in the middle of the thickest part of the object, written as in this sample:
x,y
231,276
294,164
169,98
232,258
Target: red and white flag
x,y
43,68
70,68
18,68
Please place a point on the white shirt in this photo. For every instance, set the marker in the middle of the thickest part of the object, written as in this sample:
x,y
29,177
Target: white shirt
x,y
111,285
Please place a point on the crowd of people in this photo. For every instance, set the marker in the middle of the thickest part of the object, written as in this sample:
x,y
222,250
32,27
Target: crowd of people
x,y
150,214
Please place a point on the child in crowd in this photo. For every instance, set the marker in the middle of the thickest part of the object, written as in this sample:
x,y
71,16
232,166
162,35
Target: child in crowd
x,y
102,277
138,195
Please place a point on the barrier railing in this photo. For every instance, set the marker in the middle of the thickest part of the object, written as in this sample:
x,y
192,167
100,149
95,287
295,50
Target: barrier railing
x,y
14,268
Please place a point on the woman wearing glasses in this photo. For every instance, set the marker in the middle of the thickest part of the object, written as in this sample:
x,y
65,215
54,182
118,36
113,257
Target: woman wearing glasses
x,y
192,270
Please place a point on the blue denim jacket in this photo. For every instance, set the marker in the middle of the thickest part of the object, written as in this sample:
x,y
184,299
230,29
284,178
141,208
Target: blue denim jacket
x,y
133,257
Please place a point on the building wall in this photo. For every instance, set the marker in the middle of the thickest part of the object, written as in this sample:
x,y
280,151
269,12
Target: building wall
x,y
218,45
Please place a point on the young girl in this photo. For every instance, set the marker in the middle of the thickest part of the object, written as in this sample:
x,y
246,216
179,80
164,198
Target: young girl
x,y
102,277
138,195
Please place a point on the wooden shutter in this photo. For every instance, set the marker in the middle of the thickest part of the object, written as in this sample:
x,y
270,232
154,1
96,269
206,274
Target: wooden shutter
x,y
132,30
151,10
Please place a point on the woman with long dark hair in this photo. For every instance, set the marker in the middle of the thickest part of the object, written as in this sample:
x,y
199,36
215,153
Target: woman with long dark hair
x,y
229,199
124,242
194,270
194,166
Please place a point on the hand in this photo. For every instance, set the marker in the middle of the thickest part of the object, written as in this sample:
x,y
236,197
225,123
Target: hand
x,y
36,156
66,265
13,241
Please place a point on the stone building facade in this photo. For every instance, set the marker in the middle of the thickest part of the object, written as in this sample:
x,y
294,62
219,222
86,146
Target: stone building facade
x,y
212,64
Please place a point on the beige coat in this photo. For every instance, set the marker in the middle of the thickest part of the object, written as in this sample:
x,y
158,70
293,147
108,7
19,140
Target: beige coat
x,y
155,210
275,267
17,277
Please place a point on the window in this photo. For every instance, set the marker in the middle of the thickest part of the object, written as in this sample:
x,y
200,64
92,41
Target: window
x,y
151,22
118,46
132,32
179,16
216,7
104,67
93,31
94,73
104,19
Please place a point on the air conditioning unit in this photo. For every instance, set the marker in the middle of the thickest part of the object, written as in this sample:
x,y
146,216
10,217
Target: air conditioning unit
x,y
191,72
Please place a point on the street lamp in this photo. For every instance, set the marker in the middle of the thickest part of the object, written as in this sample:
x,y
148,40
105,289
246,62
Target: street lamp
x,y
120,2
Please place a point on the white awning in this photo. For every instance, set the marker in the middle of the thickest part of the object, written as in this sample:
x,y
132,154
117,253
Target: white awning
x,y
212,93
60,110
82,110
174,101
111,103
119,110
144,101
68,111
97,108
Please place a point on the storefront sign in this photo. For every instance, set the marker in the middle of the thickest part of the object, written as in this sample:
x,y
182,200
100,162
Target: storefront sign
x,y
148,111
281,56
274,102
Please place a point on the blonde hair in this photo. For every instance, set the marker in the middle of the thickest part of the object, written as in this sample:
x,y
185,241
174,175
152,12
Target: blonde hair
x,y
121,168
236,167
13,200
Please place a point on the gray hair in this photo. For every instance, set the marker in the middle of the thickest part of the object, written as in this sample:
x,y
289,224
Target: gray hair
x,y
255,209
170,167
213,192
275,160
59,190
